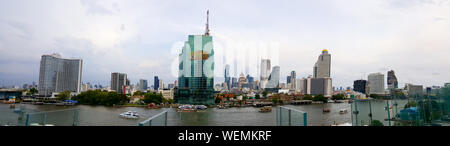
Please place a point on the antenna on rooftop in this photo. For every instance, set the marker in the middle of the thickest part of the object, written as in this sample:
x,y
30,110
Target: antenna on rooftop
x,y
207,23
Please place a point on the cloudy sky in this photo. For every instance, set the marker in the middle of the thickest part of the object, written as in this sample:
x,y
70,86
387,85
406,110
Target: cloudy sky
x,y
143,37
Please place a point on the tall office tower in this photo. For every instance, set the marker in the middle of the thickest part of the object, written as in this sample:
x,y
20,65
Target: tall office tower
x,y
301,85
58,74
288,79
251,81
118,82
376,83
360,86
265,72
227,76
143,85
196,70
156,83
234,82
392,80
322,68
274,78
292,80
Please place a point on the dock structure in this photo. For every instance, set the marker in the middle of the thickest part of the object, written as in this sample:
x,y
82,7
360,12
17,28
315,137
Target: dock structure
x,y
301,102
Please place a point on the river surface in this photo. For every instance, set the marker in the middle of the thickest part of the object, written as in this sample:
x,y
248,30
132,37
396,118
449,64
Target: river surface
x,y
246,116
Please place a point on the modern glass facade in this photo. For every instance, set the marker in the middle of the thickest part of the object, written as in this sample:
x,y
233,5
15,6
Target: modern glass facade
x,y
196,71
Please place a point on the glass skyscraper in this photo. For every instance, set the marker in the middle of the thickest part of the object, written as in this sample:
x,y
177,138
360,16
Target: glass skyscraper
x,y
196,71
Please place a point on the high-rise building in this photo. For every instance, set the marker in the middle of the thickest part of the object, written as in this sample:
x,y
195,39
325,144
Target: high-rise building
x,y
58,74
196,70
265,72
320,86
301,85
288,79
392,80
292,80
322,68
143,85
118,82
274,78
360,86
376,83
227,76
156,83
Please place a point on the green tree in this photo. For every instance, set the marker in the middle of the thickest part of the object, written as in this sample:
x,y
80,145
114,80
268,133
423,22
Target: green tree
x,y
98,97
338,97
264,93
63,95
257,96
153,98
308,97
320,98
376,123
138,93
33,91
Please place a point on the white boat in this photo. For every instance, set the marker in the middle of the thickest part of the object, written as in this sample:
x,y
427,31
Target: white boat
x,y
130,115
201,107
343,111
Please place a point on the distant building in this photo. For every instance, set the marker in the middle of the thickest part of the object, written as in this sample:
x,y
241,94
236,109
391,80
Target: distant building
x,y
292,80
58,74
227,77
118,82
301,85
320,86
360,86
274,78
143,85
265,72
414,90
156,83
322,68
392,80
376,83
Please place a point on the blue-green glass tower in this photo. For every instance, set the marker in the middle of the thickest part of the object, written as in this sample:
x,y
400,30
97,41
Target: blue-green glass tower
x,y
196,70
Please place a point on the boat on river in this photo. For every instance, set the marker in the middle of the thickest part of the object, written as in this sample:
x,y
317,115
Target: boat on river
x,y
343,111
186,108
200,107
265,109
130,115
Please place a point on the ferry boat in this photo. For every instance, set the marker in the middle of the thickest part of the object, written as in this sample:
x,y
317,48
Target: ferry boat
x,y
130,115
186,108
326,110
265,109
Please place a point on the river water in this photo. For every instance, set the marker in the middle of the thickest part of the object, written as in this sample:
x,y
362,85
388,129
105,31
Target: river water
x,y
246,116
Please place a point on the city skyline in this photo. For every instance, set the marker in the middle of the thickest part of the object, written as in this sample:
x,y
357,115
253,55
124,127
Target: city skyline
x,y
123,37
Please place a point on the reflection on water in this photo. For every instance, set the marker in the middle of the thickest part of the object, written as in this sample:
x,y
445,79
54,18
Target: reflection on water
x,y
247,116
